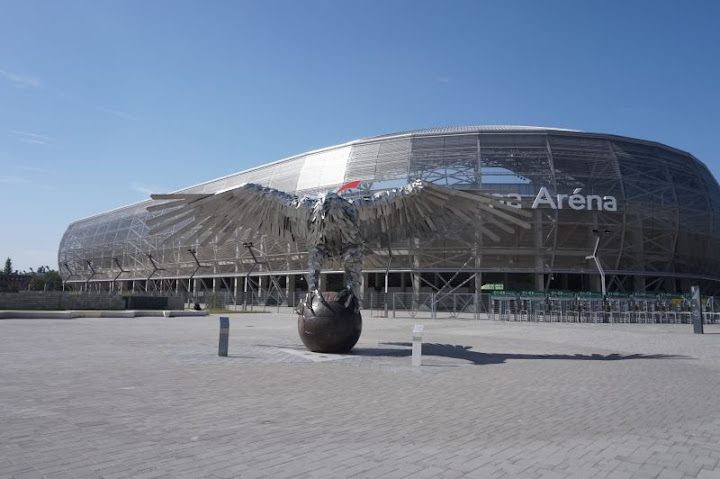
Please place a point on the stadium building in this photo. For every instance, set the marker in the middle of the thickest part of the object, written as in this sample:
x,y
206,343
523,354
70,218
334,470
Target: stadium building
x,y
651,213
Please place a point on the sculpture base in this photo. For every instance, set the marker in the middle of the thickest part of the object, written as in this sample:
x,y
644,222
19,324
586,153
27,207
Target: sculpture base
x,y
329,326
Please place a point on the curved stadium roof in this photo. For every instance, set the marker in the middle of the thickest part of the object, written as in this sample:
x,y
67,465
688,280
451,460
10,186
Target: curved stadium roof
x,y
255,173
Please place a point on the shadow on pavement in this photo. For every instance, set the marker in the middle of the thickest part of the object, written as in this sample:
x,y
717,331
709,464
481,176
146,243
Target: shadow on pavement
x,y
457,351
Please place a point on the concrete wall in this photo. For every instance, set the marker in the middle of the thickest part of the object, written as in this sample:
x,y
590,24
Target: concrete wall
x,y
176,302
63,301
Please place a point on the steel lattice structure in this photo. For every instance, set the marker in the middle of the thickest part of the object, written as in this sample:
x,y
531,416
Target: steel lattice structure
x,y
661,235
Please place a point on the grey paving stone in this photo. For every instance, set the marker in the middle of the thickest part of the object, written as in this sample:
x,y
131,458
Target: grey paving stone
x,y
705,474
670,474
149,398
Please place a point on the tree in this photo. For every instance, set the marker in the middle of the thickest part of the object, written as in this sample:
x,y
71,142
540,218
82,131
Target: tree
x,y
37,283
8,267
48,281
53,281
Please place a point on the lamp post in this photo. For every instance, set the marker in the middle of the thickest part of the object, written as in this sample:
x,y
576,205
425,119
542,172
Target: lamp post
x,y
595,258
192,296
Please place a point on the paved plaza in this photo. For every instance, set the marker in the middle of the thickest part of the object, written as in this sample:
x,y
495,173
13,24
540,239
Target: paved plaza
x,y
149,398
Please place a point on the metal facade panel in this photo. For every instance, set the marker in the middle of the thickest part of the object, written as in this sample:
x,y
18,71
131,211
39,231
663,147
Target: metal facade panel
x,y
515,163
261,176
392,161
362,162
446,160
667,220
323,169
286,175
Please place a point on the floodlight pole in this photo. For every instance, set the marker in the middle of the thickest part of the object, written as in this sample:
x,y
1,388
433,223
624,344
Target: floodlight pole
x,y
193,252
67,267
155,270
87,281
117,262
249,247
595,258
387,273
271,277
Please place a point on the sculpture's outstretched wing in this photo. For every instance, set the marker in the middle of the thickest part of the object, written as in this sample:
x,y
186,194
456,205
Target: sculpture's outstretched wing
x,y
249,206
421,208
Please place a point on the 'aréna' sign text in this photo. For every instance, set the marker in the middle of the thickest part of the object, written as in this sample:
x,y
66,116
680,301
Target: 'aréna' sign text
x,y
574,201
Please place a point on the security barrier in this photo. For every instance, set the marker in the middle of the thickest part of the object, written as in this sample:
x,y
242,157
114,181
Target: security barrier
x,y
527,306
565,307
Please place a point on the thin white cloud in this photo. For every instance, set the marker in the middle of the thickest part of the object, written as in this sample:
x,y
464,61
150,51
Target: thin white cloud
x,y
35,169
145,190
21,81
13,180
116,113
28,137
443,79
26,175
24,182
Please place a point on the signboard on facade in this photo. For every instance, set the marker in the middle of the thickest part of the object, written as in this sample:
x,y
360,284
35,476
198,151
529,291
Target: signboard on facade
x,y
574,201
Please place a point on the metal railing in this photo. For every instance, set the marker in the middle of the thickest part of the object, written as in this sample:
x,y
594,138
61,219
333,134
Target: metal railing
x,y
597,310
428,305
524,306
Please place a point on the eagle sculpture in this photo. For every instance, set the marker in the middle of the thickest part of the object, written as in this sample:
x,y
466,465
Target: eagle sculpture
x,y
332,226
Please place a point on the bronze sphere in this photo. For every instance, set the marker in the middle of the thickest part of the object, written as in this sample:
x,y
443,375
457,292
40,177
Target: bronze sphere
x,y
329,326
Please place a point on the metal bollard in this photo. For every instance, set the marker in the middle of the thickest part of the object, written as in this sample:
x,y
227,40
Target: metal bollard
x,y
696,315
224,336
417,345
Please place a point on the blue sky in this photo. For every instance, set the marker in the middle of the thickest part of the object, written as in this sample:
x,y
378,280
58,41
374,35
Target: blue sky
x,y
103,102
